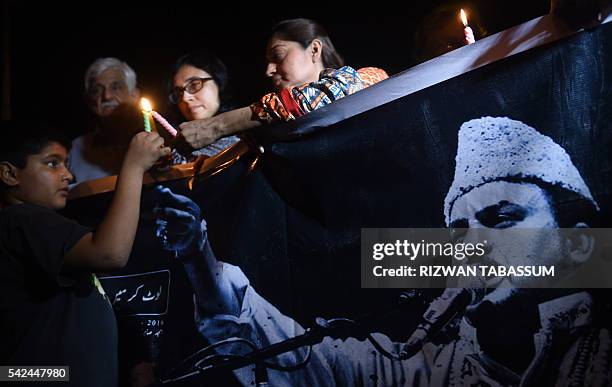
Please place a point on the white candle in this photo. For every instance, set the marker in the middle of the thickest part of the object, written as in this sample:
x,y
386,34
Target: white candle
x,y
467,30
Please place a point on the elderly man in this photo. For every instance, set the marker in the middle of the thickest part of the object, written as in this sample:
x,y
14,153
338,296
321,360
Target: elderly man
x,y
112,96
507,176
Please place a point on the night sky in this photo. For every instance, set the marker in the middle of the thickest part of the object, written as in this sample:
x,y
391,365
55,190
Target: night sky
x,y
51,45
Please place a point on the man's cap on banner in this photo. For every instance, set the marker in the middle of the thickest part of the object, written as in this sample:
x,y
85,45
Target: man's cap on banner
x,y
498,148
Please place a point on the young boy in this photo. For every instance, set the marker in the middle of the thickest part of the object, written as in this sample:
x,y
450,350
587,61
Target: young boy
x,y
52,310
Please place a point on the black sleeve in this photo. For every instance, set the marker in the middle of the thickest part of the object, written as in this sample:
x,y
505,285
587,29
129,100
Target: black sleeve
x,y
42,237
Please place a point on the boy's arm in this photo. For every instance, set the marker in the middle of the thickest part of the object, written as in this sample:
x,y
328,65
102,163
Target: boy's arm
x,y
109,246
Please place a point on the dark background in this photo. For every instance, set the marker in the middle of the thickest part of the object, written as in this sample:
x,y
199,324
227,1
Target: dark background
x,y
49,46
293,224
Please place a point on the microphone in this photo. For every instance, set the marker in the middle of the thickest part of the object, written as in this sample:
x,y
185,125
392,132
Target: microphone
x,y
440,312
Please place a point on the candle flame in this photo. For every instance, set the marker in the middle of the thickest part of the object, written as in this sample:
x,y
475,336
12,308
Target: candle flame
x,y
145,104
463,18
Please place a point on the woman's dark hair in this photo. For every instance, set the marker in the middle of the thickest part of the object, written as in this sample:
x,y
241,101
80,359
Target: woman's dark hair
x,y
208,62
304,31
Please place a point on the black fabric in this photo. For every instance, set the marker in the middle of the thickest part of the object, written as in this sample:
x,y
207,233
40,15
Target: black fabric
x,y
153,329
293,223
48,314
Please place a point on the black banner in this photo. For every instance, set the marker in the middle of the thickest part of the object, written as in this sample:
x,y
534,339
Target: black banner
x,y
292,220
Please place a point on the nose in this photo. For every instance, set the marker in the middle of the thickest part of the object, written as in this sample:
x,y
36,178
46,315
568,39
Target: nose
x,y
485,236
186,97
67,175
472,235
108,94
270,69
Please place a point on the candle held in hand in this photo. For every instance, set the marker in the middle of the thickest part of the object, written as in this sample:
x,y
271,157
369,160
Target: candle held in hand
x,y
467,31
159,118
146,113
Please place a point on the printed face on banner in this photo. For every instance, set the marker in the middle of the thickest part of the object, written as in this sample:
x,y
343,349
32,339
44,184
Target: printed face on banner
x,y
501,205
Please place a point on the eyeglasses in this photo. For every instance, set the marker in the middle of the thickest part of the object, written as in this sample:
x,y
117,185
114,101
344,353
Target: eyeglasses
x,y
192,87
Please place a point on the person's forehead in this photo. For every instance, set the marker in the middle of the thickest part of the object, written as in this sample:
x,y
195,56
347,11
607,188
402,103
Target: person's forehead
x,y
110,75
523,194
53,148
188,72
281,43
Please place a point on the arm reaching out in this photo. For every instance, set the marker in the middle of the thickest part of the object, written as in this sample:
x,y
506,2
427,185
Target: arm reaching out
x,y
109,246
180,228
286,105
199,133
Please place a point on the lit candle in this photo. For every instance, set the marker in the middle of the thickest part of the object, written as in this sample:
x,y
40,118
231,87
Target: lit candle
x,y
146,113
467,31
159,118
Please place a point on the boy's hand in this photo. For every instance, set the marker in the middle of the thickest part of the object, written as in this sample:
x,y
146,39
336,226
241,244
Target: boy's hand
x,y
145,149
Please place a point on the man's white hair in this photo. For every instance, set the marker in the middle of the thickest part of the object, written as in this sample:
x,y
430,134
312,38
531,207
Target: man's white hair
x,y
102,64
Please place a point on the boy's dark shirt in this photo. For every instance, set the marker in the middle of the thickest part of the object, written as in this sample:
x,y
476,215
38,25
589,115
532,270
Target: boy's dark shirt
x,y
49,315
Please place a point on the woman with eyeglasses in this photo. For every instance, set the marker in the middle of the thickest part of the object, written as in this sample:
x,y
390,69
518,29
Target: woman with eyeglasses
x,y
307,73
199,90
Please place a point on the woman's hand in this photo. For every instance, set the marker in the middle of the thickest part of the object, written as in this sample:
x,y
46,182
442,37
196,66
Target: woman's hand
x,y
199,133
